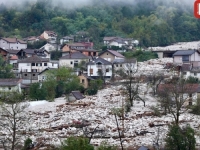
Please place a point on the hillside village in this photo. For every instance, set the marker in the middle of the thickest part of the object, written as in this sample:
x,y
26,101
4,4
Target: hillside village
x,y
78,113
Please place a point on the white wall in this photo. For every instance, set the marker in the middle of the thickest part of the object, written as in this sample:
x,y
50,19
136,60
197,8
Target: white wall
x,y
95,70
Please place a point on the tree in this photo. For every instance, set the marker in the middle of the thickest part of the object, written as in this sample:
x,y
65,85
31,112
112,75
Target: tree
x,y
5,69
12,118
131,83
154,79
173,96
76,143
37,91
180,138
61,81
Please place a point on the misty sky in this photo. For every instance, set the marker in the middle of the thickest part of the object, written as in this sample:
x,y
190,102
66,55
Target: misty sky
x,y
79,3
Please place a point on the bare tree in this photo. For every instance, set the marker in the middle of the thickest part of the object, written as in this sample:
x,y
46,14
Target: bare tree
x,y
131,81
154,79
12,118
174,96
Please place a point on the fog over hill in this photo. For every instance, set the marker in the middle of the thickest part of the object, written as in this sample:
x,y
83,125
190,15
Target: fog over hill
x,y
82,3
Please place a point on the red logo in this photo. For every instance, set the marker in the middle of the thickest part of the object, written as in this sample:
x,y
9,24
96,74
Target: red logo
x,y
197,8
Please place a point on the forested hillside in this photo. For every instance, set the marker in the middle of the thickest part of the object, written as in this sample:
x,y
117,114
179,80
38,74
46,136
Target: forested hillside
x,y
152,22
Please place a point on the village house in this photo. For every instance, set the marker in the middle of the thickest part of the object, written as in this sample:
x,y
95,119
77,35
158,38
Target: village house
x,y
120,42
24,53
111,55
191,92
125,65
187,57
50,47
12,43
29,68
50,36
75,95
99,67
66,39
11,84
76,46
73,59
3,53
31,39
84,80
42,76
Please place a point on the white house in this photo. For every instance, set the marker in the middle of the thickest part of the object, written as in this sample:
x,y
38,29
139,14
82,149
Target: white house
x,y
66,39
9,85
99,65
50,47
12,43
187,57
125,65
73,59
29,68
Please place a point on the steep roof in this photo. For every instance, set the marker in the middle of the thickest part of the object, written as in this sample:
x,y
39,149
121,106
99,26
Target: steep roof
x,y
10,82
14,40
121,61
77,95
75,55
11,51
33,59
184,52
99,59
115,53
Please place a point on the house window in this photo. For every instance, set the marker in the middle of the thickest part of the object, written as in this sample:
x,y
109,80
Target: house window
x,y
9,88
25,74
107,70
76,63
185,58
43,77
116,65
33,74
184,73
83,81
195,74
34,70
107,53
32,64
94,53
91,71
120,65
45,64
71,62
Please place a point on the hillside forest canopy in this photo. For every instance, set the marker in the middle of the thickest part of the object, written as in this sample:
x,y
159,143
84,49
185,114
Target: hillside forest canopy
x,y
152,22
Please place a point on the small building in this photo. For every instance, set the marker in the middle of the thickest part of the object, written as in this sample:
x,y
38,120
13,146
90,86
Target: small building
x,y
11,84
66,39
99,66
75,95
187,57
111,55
50,36
85,80
73,59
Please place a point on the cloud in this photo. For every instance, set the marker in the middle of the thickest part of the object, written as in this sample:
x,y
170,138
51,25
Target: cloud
x,y
81,3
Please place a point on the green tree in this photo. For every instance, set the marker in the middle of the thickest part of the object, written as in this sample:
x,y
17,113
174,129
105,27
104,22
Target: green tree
x,y
180,138
76,143
37,91
5,69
